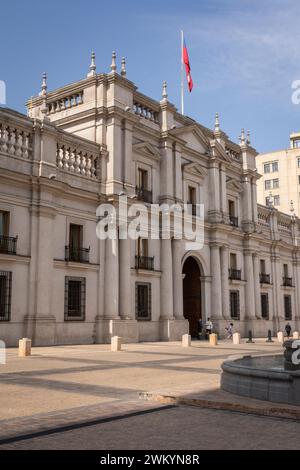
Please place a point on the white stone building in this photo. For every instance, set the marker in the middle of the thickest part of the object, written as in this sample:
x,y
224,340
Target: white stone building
x,y
87,143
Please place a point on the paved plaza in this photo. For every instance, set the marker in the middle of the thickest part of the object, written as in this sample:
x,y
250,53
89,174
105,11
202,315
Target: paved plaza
x,y
88,397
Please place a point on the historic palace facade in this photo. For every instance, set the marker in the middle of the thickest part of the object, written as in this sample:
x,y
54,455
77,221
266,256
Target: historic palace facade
x,y
91,141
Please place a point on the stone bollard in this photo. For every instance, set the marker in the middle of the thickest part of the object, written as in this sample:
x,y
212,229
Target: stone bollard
x,y
236,338
296,335
213,339
24,347
269,339
280,337
250,337
186,341
116,343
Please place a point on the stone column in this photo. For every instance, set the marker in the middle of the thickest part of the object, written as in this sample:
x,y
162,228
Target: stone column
x,y
126,311
214,212
256,269
111,279
254,199
297,284
276,292
40,321
223,192
215,267
127,149
167,169
166,285
249,288
225,281
178,173
177,279
247,213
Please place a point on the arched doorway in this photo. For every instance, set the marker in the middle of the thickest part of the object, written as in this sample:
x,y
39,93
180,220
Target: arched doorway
x,y
192,294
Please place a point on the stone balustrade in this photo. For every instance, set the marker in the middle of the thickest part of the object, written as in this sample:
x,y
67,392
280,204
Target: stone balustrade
x,y
284,223
15,141
145,112
263,214
145,107
65,102
234,155
78,160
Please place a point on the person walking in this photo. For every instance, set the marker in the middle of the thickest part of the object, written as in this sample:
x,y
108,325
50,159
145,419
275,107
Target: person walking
x,y
229,329
288,329
208,327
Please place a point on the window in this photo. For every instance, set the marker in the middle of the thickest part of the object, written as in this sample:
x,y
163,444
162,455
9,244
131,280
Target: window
x,y
298,179
231,208
142,247
142,179
271,167
192,199
143,300
285,270
287,307
296,143
142,187
233,262
191,195
75,251
262,266
276,183
276,200
5,295
264,298
268,184
75,288
4,224
298,162
75,237
235,305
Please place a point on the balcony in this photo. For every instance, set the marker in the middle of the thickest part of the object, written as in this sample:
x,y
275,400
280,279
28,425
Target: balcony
x,y
234,221
235,274
264,278
144,262
79,255
287,281
144,194
8,245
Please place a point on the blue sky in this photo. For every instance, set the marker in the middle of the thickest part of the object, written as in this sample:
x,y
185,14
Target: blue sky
x,y
244,55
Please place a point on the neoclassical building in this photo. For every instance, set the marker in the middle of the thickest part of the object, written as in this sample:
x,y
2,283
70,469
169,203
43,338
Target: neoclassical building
x,y
91,141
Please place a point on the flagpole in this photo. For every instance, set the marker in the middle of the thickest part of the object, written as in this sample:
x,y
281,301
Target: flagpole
x,y
182,76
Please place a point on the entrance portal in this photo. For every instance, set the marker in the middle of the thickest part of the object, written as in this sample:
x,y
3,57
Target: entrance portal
x,y
192,294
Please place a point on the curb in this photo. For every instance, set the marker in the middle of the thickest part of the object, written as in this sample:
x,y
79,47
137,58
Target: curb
x,y
273,412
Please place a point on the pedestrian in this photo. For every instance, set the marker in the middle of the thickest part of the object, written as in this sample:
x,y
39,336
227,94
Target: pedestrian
x,y
288,329
200,328
208,327
229,329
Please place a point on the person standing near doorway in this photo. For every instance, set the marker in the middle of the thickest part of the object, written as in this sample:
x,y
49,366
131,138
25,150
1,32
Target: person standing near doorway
x,y
208,327
288,329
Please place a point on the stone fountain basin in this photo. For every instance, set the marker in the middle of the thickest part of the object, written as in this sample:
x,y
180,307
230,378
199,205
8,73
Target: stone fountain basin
x,y
261,377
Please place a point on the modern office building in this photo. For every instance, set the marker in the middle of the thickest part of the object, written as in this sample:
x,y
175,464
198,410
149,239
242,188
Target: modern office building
x,y
280,182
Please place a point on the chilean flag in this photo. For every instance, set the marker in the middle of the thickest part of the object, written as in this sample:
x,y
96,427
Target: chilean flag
x,y
186,62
